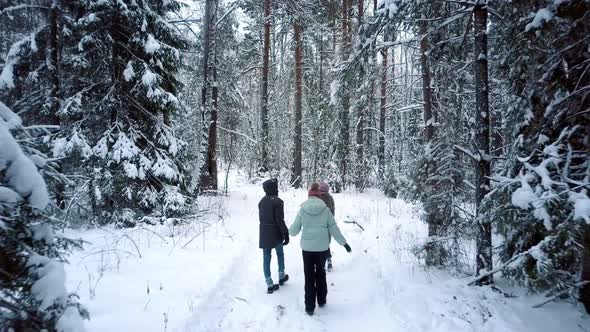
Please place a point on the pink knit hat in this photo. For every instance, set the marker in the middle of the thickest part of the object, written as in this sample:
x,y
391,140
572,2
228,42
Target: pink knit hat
x,y
324,187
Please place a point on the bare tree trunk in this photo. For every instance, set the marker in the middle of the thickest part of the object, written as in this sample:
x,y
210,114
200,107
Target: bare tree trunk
x,y
435,253
343,144
482,139
372,115
264,102
426,88
361,9
297,170
53,61
383,106
497,138
382,112
209,98
53,73
585,273
334,36
321,60
361,120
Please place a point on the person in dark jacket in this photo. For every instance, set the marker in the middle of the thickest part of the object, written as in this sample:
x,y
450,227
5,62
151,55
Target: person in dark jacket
x,y
327,198
274,234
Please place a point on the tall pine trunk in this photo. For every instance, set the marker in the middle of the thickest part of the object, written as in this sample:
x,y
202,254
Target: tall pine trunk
x,y
382,112
53,73
117,43
426,85
209,99
482,140
435,253
361,120
371,120
344,139
297,170
264,102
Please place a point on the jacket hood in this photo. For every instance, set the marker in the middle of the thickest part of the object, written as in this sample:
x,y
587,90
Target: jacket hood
x,y
313,206
271,187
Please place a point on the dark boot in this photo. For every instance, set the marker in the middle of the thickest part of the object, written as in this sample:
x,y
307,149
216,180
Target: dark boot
x,y
283,280
272,288
309,312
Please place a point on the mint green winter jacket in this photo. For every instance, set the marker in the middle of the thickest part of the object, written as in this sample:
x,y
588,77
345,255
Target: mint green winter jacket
x,y
318,225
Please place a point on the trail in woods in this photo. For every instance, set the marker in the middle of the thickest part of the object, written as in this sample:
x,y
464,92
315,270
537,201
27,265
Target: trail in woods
x,y
215,282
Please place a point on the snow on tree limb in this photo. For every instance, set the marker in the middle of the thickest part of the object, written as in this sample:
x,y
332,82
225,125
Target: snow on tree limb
x,y
467,152
21,172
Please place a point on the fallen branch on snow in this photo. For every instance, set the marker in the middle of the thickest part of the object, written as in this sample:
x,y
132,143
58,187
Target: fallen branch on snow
x,y
354,222
494,271
420,248
566,291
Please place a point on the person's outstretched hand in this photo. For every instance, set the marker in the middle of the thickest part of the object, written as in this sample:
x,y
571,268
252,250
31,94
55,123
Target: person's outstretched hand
x,y
347,247
286,240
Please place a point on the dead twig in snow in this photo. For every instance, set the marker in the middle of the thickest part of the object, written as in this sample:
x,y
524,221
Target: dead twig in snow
x,y
135,244
146,304
191,240
107,250
354,222
153,232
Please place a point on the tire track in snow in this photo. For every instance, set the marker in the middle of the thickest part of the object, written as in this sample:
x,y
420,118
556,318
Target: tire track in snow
x,y
210,313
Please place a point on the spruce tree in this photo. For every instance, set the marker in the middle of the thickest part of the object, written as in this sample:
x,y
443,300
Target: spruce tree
x,y
125,103
32,277
542,192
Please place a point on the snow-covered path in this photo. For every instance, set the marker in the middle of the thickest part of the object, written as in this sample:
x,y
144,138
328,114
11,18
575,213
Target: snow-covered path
x,y
215,283
355,298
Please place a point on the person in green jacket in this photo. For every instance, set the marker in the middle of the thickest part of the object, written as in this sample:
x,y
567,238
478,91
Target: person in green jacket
x,y
317,225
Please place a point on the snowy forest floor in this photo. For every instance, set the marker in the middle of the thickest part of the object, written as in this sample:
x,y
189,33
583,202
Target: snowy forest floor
x,y
154,278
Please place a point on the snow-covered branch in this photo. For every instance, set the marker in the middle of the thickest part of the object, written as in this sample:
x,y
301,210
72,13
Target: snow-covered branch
x,y
22,6
467,152
238,133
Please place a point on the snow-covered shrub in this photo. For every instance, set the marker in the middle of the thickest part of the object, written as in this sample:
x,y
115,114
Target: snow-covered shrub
x,y
32,292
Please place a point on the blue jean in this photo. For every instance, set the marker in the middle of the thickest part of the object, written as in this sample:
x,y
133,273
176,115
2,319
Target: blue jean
x,y
266,255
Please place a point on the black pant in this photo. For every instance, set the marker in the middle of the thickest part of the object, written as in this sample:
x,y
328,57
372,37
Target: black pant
x,y
315,278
